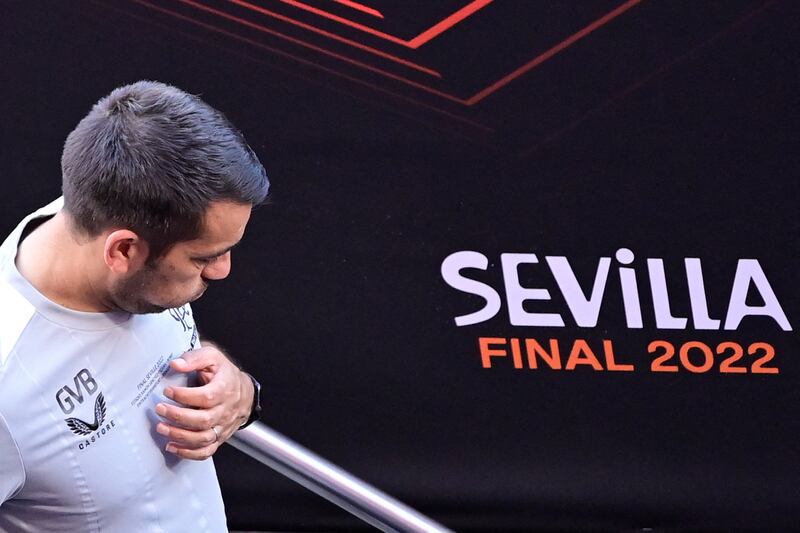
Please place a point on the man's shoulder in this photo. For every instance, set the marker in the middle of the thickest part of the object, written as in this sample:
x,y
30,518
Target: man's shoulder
x,y
15,310
15,314
8,249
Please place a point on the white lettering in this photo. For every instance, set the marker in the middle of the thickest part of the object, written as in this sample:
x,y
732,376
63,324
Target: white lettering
x,y
630,290
658,287
451,272
584,310
697,295
516,294
746,271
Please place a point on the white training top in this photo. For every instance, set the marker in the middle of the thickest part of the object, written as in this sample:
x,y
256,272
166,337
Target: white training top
x,y
78,446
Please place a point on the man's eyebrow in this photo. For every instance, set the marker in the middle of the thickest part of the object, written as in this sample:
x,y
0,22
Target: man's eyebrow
x,y
220,253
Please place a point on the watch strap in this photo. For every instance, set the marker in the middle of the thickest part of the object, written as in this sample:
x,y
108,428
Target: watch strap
x,y
255,410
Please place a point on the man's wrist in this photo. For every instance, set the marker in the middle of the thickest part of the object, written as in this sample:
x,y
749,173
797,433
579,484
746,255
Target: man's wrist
x,y
254,412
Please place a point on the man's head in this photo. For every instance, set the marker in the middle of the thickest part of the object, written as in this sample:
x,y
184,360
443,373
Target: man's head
x,y
167,184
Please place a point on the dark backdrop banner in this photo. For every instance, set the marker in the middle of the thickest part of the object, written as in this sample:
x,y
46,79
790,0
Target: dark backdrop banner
x,y
527,265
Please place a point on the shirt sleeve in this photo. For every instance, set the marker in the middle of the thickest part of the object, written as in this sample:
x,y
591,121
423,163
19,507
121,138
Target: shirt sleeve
x,y
12,471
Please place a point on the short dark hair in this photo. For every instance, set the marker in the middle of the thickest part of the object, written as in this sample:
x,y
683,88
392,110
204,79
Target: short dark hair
x,y
150,157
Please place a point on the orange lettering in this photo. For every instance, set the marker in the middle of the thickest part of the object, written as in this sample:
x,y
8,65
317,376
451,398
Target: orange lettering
x,y
611,364
516,353
582,347
487,352
553,359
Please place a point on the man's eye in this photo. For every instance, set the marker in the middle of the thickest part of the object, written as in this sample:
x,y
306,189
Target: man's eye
x,y
202,261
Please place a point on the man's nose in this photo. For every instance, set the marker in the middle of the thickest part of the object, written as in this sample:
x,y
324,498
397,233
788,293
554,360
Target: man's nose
x,y
219,268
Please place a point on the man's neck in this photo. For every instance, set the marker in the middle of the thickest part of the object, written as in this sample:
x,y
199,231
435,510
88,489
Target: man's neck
x,y
54,263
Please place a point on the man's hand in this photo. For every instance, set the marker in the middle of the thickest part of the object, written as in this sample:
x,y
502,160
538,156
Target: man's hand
x,y
213,411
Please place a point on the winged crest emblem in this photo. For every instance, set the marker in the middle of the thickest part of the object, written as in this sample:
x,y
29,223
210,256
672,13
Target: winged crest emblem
x,y
79,427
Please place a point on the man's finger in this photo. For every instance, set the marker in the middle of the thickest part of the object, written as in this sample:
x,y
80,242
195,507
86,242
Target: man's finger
x,y
199,359
185,438
187,417
199,454
205,396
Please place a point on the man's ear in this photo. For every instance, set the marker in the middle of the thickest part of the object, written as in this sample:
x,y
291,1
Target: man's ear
x,y
125,251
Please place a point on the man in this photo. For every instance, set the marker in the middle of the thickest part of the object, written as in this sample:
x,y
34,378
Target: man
x,y
99,423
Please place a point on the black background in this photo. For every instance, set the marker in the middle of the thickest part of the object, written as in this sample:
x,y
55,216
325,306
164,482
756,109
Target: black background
x,y
671,131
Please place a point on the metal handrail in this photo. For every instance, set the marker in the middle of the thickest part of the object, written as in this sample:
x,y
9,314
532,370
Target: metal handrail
x,y
331,482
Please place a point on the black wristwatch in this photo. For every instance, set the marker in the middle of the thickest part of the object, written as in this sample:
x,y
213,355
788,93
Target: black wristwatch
x,y
255,411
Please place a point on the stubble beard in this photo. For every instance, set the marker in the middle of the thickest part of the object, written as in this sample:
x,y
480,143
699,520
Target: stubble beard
x,y
130,294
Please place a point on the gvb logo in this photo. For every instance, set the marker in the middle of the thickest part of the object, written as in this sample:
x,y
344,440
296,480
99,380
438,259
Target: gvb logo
x,y
70,397
67,396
